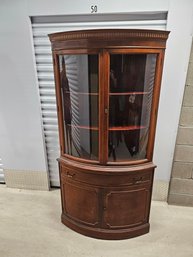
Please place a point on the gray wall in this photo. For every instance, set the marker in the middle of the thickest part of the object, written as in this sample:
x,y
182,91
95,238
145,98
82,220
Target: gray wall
x,y
21,146
181,186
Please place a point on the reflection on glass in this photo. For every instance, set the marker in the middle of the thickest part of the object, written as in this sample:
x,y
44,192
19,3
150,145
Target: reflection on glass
x,y
79,88
131,90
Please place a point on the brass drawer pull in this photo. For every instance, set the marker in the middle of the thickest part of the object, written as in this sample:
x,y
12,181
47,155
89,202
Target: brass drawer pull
x,y
70,175
137,180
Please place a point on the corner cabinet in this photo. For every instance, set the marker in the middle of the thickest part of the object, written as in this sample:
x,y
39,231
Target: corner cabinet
x,y
107,90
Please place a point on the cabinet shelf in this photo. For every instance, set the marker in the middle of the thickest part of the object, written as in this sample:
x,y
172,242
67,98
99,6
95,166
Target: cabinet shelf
x,y
124,128
120,128
128,93
111,94
83,127
81,93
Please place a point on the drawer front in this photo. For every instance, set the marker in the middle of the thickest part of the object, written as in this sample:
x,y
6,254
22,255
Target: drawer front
x,y
104,179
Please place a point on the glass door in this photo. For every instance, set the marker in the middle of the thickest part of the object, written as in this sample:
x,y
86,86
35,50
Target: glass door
x,y
79,83
131,85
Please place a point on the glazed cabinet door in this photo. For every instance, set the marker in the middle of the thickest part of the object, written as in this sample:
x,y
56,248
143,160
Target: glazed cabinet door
x,y
126,207
108,104
78,87
132,103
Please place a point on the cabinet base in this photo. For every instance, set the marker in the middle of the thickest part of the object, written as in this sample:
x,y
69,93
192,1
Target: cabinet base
x,y
105,233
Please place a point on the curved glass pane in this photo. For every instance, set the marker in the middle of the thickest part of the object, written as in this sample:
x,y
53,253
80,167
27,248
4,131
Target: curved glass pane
x,y
79,90
131,89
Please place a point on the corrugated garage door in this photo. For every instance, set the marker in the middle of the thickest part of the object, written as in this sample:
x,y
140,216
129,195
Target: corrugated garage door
x,y
1,172
41,27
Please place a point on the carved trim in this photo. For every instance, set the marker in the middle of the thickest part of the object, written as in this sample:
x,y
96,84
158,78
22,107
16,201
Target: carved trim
x,y
111,170
109,34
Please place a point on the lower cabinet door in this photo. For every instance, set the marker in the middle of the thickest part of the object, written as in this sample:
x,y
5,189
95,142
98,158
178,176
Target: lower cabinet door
x,y
126,207
80,202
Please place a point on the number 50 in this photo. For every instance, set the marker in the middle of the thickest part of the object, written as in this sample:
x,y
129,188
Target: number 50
x,y
93,8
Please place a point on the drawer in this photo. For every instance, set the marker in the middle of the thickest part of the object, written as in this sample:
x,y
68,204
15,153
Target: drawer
x,y
106,179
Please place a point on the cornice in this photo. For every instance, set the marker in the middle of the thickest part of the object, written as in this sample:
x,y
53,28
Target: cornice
x,y
109,34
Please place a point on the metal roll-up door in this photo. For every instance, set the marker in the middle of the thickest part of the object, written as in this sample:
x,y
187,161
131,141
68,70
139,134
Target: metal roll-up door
x,y
44,25
1,172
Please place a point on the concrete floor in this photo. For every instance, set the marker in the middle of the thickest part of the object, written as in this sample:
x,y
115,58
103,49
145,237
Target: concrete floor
x,y
30,227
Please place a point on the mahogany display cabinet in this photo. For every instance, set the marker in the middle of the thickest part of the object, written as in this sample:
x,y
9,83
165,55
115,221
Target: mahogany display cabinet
x,y
107,89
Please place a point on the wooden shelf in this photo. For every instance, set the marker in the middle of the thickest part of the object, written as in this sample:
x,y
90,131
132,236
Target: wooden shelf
x,y
124,128
121,128
128,93
83,127
81,93
111,94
